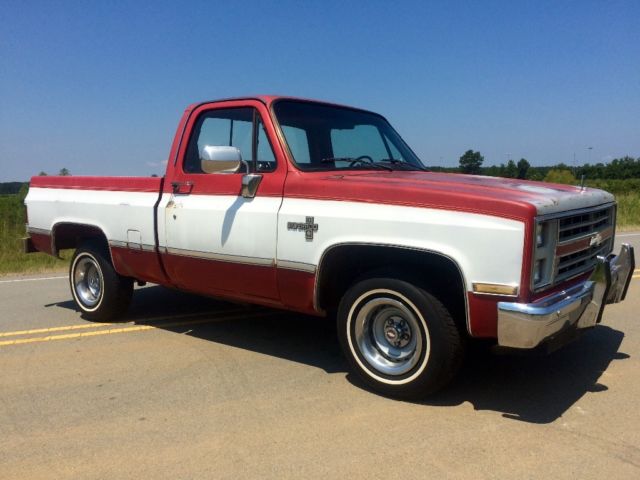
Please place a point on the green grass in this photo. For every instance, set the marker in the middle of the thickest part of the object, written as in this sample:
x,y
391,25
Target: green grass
x,y
617,187
628,211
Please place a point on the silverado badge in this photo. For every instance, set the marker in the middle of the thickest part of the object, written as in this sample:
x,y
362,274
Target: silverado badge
x,y
308,227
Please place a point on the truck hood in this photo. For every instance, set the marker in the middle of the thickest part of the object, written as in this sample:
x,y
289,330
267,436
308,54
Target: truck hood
x,y
545,197
490,195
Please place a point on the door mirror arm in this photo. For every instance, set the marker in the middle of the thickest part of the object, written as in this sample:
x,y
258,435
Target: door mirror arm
x,y
250,184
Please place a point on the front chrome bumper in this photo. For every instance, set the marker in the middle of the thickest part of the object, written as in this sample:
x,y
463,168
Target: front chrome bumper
x,y
527,325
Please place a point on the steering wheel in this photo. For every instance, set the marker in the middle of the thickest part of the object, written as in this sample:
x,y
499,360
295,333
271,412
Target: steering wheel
x,y
361,159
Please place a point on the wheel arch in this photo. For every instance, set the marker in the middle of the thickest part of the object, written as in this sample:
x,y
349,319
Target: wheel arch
x,y
69,234
349,261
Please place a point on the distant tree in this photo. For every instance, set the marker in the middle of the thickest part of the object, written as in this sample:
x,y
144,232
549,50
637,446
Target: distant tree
x,y
64,172
511,171
625,167
471,162
536,175
154,174
560,176
523,168
42,174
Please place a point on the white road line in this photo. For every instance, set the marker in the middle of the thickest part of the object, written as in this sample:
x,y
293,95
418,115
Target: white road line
x,y
32,279
628,235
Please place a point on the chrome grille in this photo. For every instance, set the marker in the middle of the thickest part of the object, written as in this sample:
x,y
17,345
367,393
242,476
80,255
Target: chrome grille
x,y
566,245
584,224
569,266
578,227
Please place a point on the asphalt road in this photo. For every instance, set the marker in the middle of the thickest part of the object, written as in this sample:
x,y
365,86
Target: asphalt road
x,y
187,387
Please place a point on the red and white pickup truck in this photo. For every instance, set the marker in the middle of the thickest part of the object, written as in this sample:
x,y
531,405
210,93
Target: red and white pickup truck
x,y
325,210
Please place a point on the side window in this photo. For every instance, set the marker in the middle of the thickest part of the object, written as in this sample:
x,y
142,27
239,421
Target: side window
x,y
231,127
298,143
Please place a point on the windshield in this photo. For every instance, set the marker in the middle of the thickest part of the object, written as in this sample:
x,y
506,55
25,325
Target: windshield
x,y
325,137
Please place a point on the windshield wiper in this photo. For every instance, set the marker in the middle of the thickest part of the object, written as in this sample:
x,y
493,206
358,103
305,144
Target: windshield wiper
x,y
359,160
405,165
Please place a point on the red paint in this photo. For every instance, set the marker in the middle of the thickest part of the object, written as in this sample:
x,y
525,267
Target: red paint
x,y
466,193
42,242
120,184
297,290
213,277
483,314
250,283
527,261
138,264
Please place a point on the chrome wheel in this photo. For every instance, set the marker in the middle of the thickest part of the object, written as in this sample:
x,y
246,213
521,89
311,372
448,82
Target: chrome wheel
x,y
87,281
388,334
398,338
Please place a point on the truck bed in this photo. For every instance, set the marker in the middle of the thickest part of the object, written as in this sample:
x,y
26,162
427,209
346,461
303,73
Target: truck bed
x,y
120,208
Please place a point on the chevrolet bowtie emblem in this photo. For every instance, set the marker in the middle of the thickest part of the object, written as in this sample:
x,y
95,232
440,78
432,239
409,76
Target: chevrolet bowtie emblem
x,y
595,240
309,227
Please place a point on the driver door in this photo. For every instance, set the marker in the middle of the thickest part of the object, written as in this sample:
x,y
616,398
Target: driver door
x,y
217,240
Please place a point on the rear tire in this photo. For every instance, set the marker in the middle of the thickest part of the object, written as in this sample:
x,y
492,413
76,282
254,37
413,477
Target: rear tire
x,y
398,338
98,290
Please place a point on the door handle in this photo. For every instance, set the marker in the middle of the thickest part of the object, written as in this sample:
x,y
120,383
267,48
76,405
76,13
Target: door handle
x,y
182,188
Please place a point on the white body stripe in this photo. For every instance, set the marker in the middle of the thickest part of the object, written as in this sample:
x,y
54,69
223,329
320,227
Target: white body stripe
x,y
113,212
485,248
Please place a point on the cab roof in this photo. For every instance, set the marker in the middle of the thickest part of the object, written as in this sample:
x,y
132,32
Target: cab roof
x,y
268,100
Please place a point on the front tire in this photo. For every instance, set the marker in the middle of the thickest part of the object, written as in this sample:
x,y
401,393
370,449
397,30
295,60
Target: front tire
x,y
98,290
398,338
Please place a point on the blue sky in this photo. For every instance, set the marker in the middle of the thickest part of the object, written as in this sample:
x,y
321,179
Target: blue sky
x,y
98,87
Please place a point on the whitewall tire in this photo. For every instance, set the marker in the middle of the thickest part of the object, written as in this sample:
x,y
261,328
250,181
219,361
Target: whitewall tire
x,y
398,338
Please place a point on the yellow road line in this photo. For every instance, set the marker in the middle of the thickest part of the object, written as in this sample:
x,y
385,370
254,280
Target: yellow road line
x,y
98,325
52,329
137,328
66,336
38,279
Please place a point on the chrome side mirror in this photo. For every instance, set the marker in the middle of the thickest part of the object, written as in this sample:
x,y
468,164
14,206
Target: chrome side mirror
x,y
220,159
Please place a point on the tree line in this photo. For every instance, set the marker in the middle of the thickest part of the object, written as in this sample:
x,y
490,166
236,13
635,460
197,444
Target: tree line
x,y
619,168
